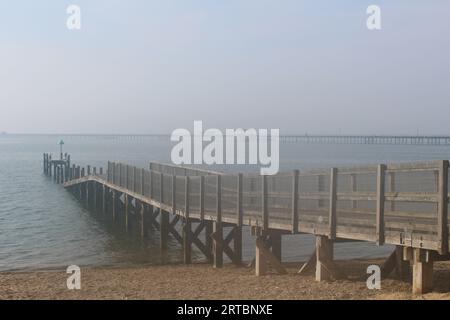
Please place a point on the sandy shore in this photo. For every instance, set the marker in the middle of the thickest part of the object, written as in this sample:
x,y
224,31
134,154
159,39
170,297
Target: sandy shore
x,y
201,281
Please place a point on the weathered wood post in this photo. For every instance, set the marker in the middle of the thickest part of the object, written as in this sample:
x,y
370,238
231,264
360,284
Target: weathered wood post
x,y
79,174
217,228
324,245
208,223
88,196
332,218
69,176
94,194
261,232
127,212
442,231
353,188
380,204
237,241
49,169
392,189
275,237
295,193
260,261
104,198
187,247
264,204
144,219
114,205
324,254
58,174
45,164
422,271
142,186
163,216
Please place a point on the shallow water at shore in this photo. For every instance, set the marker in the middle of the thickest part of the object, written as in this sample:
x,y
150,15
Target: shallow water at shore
x,y
42,225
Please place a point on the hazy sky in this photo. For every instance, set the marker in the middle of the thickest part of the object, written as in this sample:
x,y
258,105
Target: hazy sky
x,y
140,66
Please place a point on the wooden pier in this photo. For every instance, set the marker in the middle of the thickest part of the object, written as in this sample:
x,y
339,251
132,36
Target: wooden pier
x,y
405,205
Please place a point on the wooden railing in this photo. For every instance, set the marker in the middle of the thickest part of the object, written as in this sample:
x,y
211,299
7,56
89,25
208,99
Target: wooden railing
x,y
403,204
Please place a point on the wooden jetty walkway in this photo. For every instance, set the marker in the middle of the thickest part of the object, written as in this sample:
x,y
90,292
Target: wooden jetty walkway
x,y
405,205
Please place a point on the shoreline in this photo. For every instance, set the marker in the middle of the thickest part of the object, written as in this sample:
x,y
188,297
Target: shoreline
x,y
202,281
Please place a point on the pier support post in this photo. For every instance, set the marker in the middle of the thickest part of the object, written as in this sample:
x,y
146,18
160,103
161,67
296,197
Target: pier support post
x,y
94,194
164,228
144,212
187,241
127,212
263,255
237,245
275,237
104,199
422,271
86,186
208,237
187,228
114,205
324,259
217,244
260,262
218,227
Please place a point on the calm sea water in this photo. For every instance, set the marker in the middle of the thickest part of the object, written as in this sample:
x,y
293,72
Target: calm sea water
x,y
43,226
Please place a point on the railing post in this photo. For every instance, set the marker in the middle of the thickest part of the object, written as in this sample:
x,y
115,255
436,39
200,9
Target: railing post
x,y
164,216
333,202
142,181
217,228
392,189
264,196
442,231
45,163
134,179
353,187
239,211
295,176
120,174
151,181
237,241
126,176
219,198
114,205
187,225
202,198
104,199
380,204
174,193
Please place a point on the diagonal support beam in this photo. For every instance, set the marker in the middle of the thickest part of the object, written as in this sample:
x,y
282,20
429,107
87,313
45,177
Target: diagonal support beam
x,y
264,257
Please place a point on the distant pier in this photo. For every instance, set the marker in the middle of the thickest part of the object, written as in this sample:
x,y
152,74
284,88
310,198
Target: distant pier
x,y
292,138
361,139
